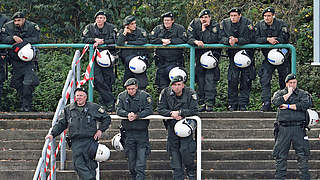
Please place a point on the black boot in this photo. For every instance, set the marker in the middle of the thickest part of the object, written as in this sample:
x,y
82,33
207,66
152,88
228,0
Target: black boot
x,y
266,106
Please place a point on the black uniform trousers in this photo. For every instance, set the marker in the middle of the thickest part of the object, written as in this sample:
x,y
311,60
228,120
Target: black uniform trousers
x,y
2,76
142,77
182,152
297,136
137,149
265,74
103,80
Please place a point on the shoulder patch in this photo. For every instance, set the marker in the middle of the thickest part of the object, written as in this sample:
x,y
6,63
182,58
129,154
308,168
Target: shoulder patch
x,y
115,29
152,32
221,26
190,28
160,96
85,32
250,26
3,29
184,34
101,110
144,33
37,27
149,99
117,102
214,29
285,29
194,96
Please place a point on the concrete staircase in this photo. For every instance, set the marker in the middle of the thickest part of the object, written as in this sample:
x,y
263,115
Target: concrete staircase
x,y
235,145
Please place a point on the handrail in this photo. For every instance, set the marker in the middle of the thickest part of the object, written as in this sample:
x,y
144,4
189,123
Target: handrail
x,y
199,127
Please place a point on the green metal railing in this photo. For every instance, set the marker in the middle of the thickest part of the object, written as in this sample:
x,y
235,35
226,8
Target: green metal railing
x,y
152,46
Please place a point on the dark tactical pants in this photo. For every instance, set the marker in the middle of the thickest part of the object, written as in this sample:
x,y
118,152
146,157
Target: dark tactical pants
x,y
137,149
24,80
83,165
182,154
142,78
265,74
103,80
286,136
2,76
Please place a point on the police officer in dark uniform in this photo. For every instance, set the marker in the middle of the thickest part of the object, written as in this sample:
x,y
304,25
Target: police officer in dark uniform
x,y
271,30
3,19
292,104
98,33
20,31
133,35
238,30
81,118
178,101
165,59
135,104
205,30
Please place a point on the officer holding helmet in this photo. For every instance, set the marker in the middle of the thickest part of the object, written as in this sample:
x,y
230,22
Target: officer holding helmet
x,y
273,31
3,19
19,32
81,117
135,104
290,127
205,30
238,30
168,33
133,35
178,101
98,33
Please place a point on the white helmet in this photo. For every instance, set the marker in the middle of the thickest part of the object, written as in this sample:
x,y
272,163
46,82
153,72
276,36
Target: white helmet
x,y
178,71
185,127
208,60
103,153
312,117
277,56
26,53
106,59
242,59
137,65
116,142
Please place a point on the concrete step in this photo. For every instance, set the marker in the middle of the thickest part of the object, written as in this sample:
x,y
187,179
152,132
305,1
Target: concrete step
x,y
163,174
207,155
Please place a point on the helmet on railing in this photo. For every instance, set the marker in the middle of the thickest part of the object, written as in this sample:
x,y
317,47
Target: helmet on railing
x,y
242,59
312,118
106,59
208,60
116,143
137,65
178,71
277,56
103,153
185,127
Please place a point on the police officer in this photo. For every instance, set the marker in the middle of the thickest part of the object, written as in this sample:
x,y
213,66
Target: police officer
x,y
19,32
165,59
98,33
178,101
205,30
238,30
81,118
133,35
271,30
292,104
135,104
3,19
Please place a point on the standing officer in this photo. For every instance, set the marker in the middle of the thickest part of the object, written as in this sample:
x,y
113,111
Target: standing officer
x,y
133,35
178,101
292,104
3,19
135,104
20,32
81,118
165,59
98,33
271,30
205,30
238,30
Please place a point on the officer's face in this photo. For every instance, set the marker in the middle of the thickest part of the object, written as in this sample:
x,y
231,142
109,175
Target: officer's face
x,y
235,17
132,89
292,83
132,26
81,98
268,18
100,20
205,19
19,22
167,22
177,87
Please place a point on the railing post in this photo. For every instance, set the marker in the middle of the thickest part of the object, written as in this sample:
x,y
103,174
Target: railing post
x,y
90,92
293,59
192,63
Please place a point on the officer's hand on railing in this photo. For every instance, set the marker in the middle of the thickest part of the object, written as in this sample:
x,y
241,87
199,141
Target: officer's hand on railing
x,y
49,136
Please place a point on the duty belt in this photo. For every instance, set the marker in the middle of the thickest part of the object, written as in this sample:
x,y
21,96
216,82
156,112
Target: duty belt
x,y
291,123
